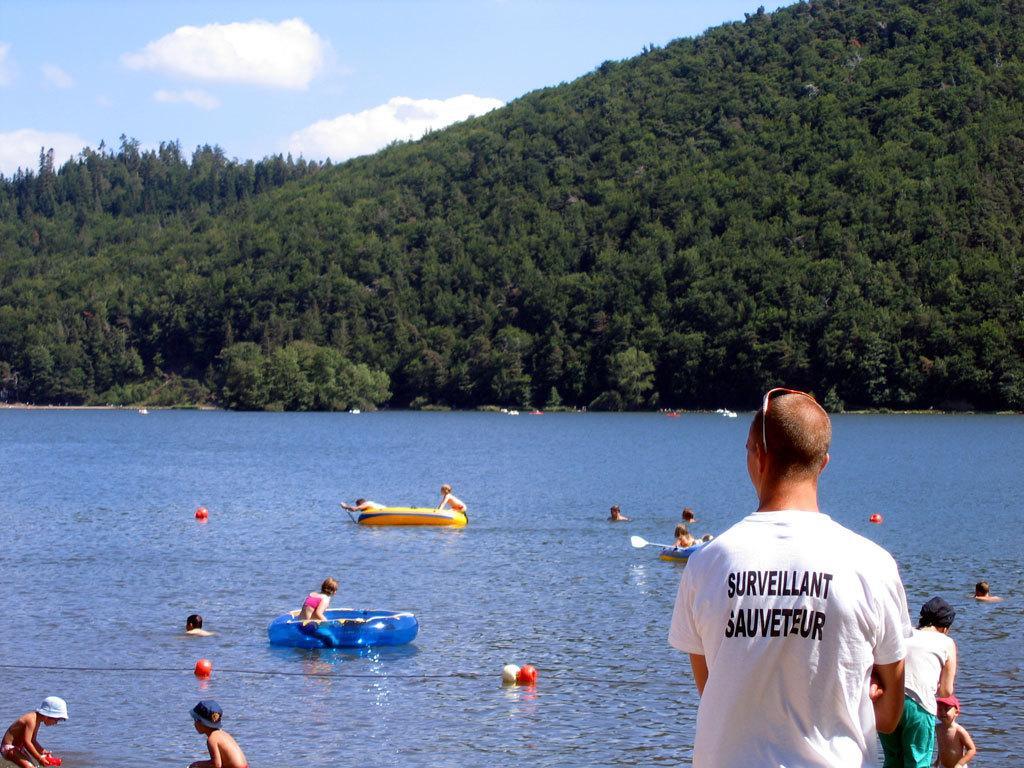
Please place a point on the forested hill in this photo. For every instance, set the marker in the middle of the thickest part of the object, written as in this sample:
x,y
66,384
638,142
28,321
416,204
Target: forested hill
x,y
828,196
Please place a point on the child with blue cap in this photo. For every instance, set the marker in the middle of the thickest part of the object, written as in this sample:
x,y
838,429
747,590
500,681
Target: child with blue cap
x,y
224,750
20,745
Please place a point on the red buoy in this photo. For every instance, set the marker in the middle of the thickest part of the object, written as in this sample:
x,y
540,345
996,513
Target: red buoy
x,y
527,675
202,513
875,518
204,668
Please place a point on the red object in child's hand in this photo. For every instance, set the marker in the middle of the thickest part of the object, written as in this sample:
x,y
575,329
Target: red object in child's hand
x,y
51,760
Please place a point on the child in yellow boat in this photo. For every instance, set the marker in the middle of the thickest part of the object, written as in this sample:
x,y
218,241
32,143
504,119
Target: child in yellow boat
x,y
316,603
451,501
362,505
684,538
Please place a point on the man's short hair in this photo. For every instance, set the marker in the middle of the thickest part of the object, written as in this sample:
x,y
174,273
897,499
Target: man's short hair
x,y
981,589
798,433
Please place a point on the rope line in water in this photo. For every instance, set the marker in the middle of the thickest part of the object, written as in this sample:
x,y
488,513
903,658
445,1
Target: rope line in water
x,y
286,673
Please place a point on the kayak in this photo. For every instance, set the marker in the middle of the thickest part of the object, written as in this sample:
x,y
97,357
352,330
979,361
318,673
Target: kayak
x,y
344,628
679,554
412,516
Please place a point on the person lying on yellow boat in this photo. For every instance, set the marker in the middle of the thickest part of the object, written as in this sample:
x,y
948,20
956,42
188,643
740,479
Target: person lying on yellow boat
x,y
362,505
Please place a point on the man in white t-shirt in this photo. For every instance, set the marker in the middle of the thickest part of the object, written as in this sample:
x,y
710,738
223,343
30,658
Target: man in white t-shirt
x,y
796,627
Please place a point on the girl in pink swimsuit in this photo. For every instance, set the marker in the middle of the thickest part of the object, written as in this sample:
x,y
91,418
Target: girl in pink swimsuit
x,y
316,603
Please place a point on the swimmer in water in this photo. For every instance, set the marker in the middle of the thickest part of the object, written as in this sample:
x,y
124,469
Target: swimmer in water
x,y
194,626
982,594
615,515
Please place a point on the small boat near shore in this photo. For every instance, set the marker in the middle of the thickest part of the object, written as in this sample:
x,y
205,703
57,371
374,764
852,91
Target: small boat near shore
x,y
680,554
412,516
344,628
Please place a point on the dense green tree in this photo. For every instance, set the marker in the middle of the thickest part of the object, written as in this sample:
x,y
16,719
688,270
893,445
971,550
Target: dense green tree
x,y
827,196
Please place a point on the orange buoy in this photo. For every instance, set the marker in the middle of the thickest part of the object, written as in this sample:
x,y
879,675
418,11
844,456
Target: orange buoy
x,y
202,513
204,668
875,518
527,675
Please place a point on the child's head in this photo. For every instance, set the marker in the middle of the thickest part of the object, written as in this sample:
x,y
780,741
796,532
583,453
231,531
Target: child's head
x,y
936,613
615,511
207,716
688,515
446,488
194,621
53,710
981,589
330,586
360,501
949,708
682,530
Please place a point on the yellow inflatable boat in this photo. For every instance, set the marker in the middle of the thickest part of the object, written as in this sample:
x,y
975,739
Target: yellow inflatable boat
x,y
412,516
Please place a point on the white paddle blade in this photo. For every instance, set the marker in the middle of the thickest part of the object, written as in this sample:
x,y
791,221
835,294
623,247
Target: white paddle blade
x,y
638,541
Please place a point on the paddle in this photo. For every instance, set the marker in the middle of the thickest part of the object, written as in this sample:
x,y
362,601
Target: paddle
x,y
640,542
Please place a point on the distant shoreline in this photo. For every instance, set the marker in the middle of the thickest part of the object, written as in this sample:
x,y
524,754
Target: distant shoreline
x,y
489,409
31,407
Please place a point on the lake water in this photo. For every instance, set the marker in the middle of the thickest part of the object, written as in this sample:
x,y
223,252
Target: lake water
x,y
102,560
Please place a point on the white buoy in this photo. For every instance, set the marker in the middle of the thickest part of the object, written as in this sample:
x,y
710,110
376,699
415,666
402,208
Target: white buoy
x,y
509,673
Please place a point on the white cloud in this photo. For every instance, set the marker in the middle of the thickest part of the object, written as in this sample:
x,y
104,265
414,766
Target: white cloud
x,y
195,97
56,76
284,55
402,118
20,149
6,70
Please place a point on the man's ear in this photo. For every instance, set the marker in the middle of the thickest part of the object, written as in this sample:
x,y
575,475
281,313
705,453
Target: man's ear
x,y
824,463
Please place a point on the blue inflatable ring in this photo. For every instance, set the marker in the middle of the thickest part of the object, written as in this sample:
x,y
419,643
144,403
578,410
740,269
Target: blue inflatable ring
x,y
344,628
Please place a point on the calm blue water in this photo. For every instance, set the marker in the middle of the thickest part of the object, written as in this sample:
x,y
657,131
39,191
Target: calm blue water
x,y
102,560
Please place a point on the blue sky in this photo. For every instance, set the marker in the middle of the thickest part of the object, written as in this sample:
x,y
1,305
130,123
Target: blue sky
x,y
320,79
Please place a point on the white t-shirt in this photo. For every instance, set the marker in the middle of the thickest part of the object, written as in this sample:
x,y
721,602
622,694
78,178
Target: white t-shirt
x,y
927,653
791,610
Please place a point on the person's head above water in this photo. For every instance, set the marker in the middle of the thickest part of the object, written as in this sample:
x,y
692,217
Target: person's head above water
x,y
194,621
981,589
688,515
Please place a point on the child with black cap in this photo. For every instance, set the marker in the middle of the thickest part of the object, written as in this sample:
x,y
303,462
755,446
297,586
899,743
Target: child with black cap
x,y
930,671
224,750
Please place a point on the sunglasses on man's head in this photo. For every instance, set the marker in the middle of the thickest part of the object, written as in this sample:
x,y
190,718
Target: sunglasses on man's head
x,y
764,408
